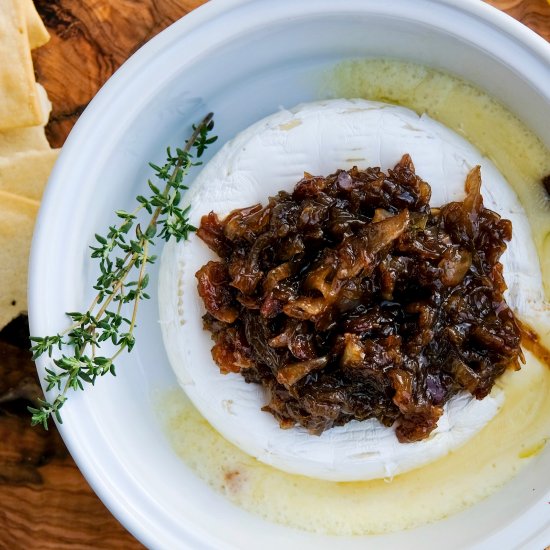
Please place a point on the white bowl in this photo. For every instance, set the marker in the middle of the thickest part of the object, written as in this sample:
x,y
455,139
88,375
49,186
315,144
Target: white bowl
x,y
242,59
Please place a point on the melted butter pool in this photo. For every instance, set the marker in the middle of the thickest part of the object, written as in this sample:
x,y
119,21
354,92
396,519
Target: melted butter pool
x,y
491,458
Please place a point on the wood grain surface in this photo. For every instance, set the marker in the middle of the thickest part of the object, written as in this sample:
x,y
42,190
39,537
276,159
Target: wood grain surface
x,y
45,501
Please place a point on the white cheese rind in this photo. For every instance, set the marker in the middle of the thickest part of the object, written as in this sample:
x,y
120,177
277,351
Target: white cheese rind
x,y
272,155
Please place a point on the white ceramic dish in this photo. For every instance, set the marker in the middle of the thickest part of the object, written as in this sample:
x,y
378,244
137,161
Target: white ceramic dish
x,y
242,59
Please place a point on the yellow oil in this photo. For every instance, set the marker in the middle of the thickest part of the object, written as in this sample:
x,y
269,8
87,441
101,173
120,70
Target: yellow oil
x,y
427,494
496,453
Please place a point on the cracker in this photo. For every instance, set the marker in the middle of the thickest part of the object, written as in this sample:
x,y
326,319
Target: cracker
x,y
45,103
24,139
26,173
17,216
38,35
19,103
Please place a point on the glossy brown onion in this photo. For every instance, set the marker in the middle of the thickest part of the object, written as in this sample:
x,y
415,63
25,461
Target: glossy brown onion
x,y
350,298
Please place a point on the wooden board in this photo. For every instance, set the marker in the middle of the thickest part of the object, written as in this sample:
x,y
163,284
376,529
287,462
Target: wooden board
x,y
46,503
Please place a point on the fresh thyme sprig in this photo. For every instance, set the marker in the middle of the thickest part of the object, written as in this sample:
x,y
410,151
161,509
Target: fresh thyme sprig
x,y
122,283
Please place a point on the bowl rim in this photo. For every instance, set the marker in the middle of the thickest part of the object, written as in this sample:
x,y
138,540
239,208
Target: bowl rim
x,y
206,14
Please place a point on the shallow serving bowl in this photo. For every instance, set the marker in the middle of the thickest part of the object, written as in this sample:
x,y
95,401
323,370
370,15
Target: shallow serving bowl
x,y
243,59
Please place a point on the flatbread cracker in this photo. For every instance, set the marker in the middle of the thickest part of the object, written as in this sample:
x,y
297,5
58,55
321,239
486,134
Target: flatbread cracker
x,y
26,173
45,103
19,102
38,35
24,139
17,216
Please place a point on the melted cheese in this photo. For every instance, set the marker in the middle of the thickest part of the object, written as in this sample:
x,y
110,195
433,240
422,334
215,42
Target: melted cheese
x,y
272,155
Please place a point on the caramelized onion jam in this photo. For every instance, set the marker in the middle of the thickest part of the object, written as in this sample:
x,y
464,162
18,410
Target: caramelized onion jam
x,y
351,298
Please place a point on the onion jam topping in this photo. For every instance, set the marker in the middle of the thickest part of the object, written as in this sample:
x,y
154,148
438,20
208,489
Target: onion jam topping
x,y
351,298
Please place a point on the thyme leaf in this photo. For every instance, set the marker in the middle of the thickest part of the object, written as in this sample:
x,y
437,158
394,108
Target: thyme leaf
x,y
123,256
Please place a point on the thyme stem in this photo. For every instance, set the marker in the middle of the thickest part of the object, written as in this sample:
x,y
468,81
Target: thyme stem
x,y
99,323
